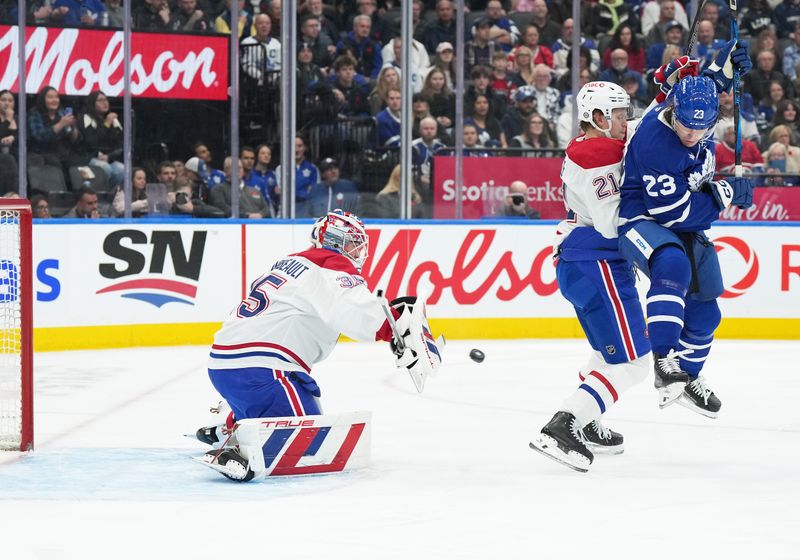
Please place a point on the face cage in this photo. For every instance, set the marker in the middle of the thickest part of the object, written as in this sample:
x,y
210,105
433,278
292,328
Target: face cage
x,y
353,245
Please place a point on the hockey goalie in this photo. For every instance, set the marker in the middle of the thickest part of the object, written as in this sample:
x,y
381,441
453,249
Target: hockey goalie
x,y
271,421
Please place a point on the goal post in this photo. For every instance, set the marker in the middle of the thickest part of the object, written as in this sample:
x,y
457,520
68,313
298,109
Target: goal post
x,y
16,325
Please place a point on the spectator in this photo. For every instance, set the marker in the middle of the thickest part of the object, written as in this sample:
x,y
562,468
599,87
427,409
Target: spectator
x,y
388,78
316,8
40,207
472,142
766,109
489,130
633,87
38,12
786,113
747,122
562,48
443,30
380,31
322,48
619,70
783,135
185,202
752,160
547,97
502,30
565,121
608,15
624,38
52,131
222,24
481,76
101,138
535,135
116,14
524,106
309,75
502,81
261,177
781,160
421,108
523,64
84,13
707,47
445,61
251,204
273,10
757,15
422,151
86,205
195,172
154,15
787,15
138,196
662,11
516,204
306,173
711,12
362,48
180,168
530,40
791,56
331,193
388,120
420,61
756,83
257,62
349,88
673,36
167,173
213,176
187,17
441,100
479,50
666,17
549,31
9,170
388,198
247,156
767,41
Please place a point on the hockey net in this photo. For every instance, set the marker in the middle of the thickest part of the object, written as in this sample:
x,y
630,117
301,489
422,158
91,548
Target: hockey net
x,y
16,326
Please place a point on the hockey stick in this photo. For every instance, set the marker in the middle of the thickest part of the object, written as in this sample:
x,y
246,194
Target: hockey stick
x,y
390,319
693,30
737,92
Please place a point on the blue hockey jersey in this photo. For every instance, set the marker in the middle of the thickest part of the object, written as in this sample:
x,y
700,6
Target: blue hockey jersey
x,y
663,178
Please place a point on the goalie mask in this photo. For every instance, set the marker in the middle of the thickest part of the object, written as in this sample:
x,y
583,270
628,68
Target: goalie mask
x,y
343,233
603,97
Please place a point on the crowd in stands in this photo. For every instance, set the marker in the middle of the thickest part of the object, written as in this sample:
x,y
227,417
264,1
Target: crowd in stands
x,y
517,98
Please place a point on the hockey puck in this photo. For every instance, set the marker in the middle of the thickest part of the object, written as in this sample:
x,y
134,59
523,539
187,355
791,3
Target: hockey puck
x,y
476,355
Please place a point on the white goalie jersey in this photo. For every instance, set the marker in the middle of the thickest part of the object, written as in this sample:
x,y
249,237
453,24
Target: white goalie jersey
x,y
592,176
294,314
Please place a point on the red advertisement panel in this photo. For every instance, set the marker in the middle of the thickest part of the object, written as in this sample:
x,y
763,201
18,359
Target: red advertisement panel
x,y
486,183
78,61
770,204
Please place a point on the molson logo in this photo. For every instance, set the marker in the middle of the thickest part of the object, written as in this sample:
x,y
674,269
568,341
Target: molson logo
x,y
750,258
79,61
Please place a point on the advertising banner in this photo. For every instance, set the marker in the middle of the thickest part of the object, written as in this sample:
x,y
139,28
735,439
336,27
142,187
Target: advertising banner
x,y
486,182
770,204
79,61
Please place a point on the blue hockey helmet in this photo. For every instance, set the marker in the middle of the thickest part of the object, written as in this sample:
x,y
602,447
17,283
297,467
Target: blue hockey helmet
x,y
695,102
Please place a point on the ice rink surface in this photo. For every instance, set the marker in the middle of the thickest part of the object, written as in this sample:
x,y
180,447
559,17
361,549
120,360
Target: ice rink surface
x,y
451,477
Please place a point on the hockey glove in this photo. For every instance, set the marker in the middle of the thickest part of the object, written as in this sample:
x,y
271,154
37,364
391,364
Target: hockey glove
x,y
669,74
399,303
729,59
738,191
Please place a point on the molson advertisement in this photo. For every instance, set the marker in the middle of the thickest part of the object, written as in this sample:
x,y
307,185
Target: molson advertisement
x,y
110,284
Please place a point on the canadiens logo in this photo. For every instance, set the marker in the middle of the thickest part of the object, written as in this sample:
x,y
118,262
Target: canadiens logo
x,y
140,274
750,264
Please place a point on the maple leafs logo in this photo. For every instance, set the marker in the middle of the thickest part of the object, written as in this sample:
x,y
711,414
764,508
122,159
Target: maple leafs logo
x,y
704,174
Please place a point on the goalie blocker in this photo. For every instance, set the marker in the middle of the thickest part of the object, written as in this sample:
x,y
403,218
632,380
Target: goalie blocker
x,y
293,446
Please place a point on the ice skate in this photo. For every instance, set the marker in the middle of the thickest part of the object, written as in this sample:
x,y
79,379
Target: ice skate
x,y
562,440
229,463
699,397
602,440
670,379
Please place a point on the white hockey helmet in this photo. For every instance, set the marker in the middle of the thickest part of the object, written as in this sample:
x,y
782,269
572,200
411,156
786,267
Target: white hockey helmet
x,y
344,233
603,97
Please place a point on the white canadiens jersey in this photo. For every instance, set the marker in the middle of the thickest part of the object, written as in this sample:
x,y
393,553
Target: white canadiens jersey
x,y
294,314
592,176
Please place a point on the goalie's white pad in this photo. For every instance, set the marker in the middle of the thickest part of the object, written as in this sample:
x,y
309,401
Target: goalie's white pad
x,y
301,445
420,340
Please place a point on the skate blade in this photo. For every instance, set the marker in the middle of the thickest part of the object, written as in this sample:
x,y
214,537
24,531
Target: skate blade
x,y
669,394
605,449
230,472
686,403
548,447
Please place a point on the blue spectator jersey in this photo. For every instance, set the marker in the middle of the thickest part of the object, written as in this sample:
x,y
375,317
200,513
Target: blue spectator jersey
x,y
306,176
77,7
388,129
663,178
265,182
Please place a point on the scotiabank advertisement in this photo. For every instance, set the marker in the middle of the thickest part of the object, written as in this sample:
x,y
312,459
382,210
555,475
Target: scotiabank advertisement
x,y
486,182
162,282
79,61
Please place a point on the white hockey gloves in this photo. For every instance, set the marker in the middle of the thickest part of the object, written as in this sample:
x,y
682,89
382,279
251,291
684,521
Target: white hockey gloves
x,y
731,57
738,191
